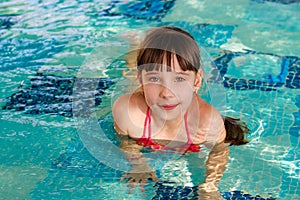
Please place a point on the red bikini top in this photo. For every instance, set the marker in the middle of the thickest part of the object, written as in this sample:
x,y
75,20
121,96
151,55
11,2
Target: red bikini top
x,y
147,141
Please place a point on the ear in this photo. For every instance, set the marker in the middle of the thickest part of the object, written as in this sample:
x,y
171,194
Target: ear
x,y
198,80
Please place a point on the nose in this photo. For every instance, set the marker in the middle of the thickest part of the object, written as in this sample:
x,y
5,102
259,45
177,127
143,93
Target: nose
x,y
166,92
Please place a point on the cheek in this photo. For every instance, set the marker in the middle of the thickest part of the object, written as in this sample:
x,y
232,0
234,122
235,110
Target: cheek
x,y
151,94
185,94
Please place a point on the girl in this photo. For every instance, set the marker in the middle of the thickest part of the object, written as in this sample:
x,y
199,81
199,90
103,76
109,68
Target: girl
x,y
166,112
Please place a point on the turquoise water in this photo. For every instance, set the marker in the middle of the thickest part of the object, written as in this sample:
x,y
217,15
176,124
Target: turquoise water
x,y
45,44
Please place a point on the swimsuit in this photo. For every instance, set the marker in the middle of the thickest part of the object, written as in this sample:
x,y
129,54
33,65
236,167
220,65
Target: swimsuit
x,y
147,142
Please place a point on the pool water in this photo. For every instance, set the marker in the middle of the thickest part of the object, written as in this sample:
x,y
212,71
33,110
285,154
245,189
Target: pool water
x,y
61,66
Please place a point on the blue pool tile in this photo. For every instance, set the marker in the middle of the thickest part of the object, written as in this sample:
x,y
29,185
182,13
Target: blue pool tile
x,y
289,75
204,32
243,84
145,9
295,128
78,161
295,131
285,65
164,191
277,1
53,94
293,76
7,21
297,117
238,195
298,101
20,53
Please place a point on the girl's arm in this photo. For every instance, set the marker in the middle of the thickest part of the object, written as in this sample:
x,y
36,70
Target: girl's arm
x,y
140,172
215,167
218,157
131,150
122,125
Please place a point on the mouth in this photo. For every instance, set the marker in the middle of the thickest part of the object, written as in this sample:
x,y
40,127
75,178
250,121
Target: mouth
x,y
169,107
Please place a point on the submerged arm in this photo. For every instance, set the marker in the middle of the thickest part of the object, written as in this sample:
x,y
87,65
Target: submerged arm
x,y
131,150
140,172
216,165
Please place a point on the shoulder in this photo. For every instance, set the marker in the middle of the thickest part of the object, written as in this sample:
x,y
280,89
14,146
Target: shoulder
x,y
211,123
119,115
130,101
208,114
121,103
126,110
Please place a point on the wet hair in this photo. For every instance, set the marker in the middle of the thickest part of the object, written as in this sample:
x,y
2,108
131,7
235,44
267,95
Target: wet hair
x,y
162,43
236,131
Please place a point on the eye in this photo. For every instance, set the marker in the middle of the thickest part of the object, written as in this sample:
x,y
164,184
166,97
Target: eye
x,y
153,79
180,79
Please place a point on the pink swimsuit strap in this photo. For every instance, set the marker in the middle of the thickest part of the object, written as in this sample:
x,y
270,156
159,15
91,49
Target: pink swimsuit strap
x,y
146,141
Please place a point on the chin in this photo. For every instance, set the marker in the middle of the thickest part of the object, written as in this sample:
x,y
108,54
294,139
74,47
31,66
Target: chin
x,y
171,115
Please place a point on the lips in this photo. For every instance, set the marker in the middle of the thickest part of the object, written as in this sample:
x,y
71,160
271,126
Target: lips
x,y
169,107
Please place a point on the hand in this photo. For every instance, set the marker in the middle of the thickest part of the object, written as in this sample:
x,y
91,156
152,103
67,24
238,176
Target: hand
x,y
139,177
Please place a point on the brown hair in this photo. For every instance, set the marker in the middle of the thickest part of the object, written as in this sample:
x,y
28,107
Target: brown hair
x,y
236,131
161,43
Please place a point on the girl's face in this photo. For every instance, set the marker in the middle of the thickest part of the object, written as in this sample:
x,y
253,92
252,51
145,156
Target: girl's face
x,y
170,93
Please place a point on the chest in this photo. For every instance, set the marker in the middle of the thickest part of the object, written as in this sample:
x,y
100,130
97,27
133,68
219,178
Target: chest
x,y
180,133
